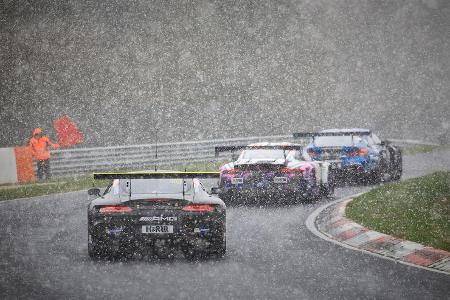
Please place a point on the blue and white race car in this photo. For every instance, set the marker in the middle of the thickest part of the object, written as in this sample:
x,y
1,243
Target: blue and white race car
x,y
355,154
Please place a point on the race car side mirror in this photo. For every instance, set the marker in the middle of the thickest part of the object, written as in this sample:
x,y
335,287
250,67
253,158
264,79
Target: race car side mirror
x,y
215,190
94,192
383,143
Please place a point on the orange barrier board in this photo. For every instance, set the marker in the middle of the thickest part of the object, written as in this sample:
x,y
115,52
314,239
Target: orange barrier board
x,y
24,164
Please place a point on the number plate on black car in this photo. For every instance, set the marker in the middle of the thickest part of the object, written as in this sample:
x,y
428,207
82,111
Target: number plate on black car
x,y
157,229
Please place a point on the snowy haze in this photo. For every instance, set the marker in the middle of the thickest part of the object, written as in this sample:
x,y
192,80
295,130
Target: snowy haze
x,y
213,69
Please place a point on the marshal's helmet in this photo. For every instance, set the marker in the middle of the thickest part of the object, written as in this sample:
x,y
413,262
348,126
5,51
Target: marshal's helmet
x,y
37,131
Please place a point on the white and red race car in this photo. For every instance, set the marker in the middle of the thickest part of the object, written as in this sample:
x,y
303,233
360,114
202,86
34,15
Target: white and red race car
x,y
272,173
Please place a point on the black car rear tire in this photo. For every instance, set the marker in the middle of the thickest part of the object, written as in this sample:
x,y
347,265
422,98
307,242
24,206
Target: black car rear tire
x,y
378,175
99,249
94,250
396,163
375,177
189,253
397,174
328,189
227,198
397,170
221,248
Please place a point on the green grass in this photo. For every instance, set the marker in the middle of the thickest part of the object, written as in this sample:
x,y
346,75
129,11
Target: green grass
x,y
60,185
417,210
200,166
75,183
416,149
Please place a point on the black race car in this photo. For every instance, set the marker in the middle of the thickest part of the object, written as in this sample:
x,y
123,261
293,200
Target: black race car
x,y
156,213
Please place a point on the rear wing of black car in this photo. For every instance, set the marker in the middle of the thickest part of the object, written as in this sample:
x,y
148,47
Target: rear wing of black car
x,y
155,175
237,148
299,135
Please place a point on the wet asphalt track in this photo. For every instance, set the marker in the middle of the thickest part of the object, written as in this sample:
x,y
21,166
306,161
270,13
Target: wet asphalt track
x,y
271,254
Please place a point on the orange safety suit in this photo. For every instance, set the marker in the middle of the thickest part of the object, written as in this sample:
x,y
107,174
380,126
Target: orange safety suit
x,y
39,146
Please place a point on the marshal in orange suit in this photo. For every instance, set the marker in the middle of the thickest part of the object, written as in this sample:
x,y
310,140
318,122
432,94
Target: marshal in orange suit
x,y
40,144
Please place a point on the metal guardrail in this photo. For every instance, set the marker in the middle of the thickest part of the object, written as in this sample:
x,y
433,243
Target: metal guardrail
x,y
69,162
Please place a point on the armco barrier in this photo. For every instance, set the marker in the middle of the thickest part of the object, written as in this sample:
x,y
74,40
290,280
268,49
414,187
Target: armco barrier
x,y
69,162
83,160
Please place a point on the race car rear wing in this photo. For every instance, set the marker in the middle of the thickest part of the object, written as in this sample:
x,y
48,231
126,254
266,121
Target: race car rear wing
x,y
151,175
237,148
313,135
299,135
155,175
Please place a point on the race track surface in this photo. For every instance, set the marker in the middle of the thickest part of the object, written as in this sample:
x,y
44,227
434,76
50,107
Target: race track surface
x,y
271,254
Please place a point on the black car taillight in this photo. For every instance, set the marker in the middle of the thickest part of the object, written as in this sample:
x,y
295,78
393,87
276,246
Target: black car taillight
x,y
111,209
199,208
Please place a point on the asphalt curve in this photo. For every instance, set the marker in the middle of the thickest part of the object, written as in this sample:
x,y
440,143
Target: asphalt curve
x,y
271,254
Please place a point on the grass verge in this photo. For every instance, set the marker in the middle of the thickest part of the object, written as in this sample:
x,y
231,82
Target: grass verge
x,y
417,210
76,183
60,185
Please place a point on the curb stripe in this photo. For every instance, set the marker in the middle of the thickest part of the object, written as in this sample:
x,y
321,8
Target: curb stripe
x,y
443,265
404,248
364,238
347,234
379,245
340,229
382,244
341,221
426,257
